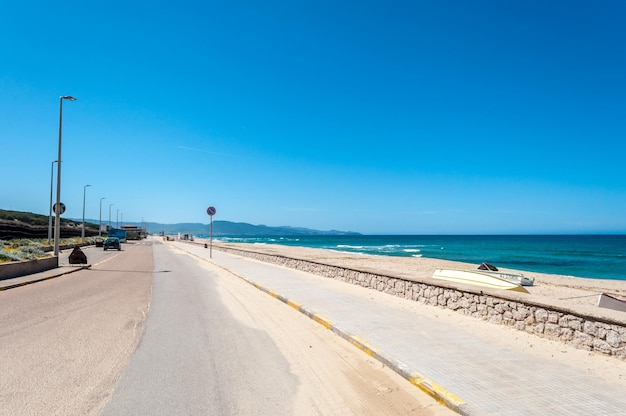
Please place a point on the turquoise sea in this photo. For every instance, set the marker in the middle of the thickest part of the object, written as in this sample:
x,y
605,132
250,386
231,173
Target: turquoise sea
x,y
591,256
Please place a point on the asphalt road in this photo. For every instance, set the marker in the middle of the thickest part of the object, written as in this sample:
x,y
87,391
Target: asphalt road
x,y
64,342
195,358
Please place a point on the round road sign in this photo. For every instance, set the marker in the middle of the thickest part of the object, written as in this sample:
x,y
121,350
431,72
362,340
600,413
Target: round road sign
x,y
211,211
62,205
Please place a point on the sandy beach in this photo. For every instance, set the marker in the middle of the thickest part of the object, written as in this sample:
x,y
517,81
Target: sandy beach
x,y
563,291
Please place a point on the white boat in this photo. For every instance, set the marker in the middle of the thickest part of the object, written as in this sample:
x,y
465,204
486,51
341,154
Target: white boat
x,y
478,278
518,278
611,302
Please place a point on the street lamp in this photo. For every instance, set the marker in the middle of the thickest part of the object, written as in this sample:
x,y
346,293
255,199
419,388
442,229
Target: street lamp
x,y
110,205
82,234
57,211
100,226
117,219
50,214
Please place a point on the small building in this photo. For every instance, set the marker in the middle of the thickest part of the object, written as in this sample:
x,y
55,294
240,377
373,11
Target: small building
x,y
134,232
185,237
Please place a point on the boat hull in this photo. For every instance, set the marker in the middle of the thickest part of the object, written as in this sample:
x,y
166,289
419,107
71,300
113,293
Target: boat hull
x,y
478,278
610,302
515,278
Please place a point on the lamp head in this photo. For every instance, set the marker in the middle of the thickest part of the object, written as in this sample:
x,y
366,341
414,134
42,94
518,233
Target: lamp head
x,y
68,97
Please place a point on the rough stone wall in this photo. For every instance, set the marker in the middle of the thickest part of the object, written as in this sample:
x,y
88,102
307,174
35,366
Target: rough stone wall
x,y
579,331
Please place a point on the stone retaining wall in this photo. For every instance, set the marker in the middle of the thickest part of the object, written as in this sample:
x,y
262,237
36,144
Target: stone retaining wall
x,y
592,333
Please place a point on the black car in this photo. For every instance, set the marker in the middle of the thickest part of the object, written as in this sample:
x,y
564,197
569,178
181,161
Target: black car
x,y
112,242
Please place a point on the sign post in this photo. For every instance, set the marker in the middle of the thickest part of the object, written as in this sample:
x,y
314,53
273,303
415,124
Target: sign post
x,y
59,206
211,211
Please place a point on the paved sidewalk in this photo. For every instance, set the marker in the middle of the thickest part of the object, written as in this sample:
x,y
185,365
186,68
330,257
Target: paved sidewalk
x,y
63,269
468,374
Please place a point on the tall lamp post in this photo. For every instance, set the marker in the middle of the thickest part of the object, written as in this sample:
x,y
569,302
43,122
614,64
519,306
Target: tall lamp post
x,y
57,211
117,219
82,233
50,214
100,226
110,205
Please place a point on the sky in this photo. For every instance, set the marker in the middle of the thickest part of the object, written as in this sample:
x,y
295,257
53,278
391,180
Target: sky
x,y
379,117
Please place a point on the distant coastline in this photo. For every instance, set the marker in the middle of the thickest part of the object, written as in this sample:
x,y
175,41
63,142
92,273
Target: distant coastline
x,y
599,256
587,256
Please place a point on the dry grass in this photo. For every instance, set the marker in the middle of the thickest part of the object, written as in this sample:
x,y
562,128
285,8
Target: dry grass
x,y
31,249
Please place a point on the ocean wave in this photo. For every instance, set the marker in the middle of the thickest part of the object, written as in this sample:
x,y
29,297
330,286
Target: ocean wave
x,y
591,256
358,253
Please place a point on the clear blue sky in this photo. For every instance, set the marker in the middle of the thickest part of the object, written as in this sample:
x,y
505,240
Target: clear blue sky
x,y
400,117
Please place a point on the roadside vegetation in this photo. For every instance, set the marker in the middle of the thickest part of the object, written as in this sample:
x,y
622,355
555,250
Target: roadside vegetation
x,y
18,250
21,232
32,249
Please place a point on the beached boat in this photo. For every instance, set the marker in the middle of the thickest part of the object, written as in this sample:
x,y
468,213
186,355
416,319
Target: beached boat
x,y
518,278
478,278
611,302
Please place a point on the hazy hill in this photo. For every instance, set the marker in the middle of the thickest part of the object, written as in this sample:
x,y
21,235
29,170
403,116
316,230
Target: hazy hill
x,y
228,228
17,224
220,228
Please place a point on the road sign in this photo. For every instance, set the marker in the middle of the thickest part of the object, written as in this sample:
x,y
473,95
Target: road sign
x,y
211,211
62,205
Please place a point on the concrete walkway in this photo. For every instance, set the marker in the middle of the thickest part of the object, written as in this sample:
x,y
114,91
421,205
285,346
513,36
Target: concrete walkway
x,y
466,373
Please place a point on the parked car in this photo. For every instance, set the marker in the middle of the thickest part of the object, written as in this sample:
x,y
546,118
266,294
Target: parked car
x,y
112,242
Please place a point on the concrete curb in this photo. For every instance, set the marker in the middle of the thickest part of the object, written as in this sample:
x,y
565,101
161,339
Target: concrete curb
x,y
436,391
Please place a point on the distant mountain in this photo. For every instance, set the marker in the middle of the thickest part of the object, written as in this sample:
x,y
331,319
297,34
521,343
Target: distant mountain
x,y
227,229
17,224
235,229
220,228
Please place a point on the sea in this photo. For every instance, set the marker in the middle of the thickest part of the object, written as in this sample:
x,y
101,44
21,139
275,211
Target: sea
x,y
587,256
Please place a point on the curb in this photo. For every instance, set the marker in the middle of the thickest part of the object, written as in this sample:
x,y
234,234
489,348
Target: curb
x,y
436,391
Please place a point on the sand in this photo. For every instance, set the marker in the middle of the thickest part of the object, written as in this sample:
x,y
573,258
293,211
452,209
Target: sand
x,y
334,377
564,291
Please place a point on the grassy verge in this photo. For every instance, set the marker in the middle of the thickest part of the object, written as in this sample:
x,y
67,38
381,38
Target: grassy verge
x,y
32,249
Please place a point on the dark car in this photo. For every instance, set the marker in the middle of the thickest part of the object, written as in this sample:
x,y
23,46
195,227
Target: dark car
x,y
112,242
99,242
